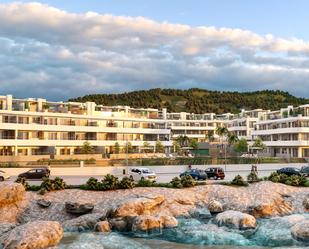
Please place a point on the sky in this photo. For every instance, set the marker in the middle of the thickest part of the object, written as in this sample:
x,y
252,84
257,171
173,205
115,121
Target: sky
x,y
62,49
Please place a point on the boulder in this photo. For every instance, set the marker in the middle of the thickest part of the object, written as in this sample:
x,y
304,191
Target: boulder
x,y
43,203
138,206
103,226
78,209
11,193
215,207
168,221
306,203
122,224
278,207
6,227
33,235
300,231
146,223
83,223
200,213
236,219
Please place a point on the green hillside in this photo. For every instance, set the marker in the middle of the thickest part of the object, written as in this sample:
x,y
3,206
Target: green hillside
x,y
198,100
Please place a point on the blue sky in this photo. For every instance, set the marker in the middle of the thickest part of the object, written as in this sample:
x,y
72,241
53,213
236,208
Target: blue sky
x,y
62,49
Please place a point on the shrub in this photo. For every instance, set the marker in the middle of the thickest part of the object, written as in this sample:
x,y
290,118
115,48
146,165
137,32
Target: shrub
x,y
24,182
145,183
187,181
52,184
34,188
306,184
92,184
176,182
253,177
276,177
239,181
110,182
126,183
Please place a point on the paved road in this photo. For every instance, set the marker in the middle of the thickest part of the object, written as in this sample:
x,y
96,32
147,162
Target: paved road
x,y
162,177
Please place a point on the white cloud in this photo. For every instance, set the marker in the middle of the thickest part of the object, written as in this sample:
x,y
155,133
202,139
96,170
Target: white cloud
x,y
48,52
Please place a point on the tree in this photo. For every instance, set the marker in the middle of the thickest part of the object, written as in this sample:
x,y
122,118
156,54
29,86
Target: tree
x,y
222,132
194,144
147,147
258,144
116,148
241,145
183,141
87,148
129,147
210,136
176,146
159,147
232,138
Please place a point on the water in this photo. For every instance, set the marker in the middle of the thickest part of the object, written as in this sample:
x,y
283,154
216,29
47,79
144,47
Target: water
x,y
194,234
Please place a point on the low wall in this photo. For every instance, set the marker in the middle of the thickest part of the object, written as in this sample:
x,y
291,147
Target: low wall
x,y
172,169
136,155
79,157
23,158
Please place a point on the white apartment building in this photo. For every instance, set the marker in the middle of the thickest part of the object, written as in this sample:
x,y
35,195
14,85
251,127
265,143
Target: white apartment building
x,y
244,123
36,126
285,132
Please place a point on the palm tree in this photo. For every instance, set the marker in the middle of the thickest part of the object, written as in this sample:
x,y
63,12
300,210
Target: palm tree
x,y
209,136
183,141
232,138
221,131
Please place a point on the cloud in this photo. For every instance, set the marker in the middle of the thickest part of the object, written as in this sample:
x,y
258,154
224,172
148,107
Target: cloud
x,y
48,52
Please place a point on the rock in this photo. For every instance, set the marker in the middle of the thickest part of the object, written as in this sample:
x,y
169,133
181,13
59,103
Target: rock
x,y
215,207
103,226
138,206
236,219
11,193
6,227
168,221
78,209
146,223
33,235
200,213
306,203
122,224
43,203
83,223
185,200
300,231
278,207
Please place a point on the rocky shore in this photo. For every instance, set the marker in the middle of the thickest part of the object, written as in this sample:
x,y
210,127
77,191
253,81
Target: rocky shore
x,y
29,220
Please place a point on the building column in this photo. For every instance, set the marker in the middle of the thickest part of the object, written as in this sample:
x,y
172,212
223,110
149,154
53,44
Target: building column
x,y
300,150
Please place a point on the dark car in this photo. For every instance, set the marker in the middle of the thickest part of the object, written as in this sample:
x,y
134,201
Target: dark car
x,y
195,173
37,174
305,170
215,173
290,171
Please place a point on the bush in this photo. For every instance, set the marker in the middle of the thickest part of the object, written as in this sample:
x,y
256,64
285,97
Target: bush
x,y
145,183
252,177
176,182
306,184
92,184
24,182
110,182
239,181
52,184
126,183
187,181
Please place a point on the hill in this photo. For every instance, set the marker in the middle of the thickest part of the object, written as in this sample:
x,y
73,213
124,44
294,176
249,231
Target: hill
x,y
198,100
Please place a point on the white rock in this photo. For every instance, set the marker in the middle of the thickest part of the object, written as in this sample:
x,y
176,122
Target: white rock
x,y
236,219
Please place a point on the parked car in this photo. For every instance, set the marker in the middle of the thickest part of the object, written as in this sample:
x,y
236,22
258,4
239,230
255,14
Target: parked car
x,y
195,173
305,170
290,171
36,174
215,173
3,176
142,173
249,155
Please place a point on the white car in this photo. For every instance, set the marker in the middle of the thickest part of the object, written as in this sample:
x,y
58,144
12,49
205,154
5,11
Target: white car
x,y
3,176
142,173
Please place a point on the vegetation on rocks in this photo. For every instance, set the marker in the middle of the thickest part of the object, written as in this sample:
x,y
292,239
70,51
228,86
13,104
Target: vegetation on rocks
x,y
52,185
239,181
187,181
126,183
24,182
289,180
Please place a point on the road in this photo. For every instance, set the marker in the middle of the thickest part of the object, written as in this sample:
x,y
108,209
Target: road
x,y
161,177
